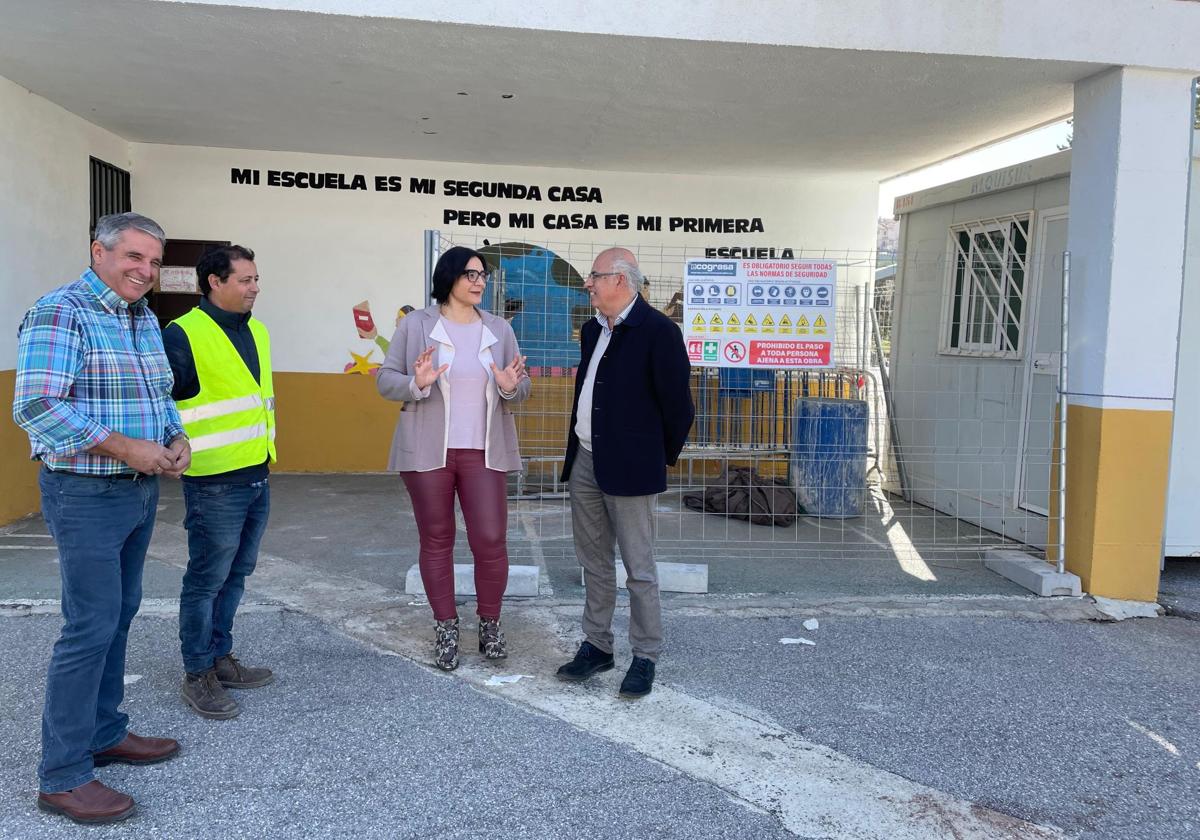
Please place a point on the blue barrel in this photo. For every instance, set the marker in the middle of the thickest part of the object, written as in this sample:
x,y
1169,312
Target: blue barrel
x,y
828,467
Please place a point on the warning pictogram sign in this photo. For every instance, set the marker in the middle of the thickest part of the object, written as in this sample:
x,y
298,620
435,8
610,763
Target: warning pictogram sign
x,y
760,313
790,353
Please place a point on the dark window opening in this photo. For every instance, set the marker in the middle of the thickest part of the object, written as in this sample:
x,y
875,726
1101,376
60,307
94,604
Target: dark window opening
x,y
110,192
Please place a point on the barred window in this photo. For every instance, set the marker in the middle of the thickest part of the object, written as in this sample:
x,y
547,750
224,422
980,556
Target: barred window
x,y
110,192
984,313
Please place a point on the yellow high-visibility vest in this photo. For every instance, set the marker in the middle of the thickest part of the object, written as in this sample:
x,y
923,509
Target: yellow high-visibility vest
x,y
231,422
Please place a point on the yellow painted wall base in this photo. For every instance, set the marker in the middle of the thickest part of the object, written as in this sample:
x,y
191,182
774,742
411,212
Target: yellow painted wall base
x,y
335,422
19,495
327,423
1117,463
332,422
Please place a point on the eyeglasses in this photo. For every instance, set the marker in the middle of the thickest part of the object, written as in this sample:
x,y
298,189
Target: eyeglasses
x,y
474,276
596,275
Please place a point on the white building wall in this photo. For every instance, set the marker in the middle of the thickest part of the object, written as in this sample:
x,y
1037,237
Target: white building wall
x,y
44,200
1183,500
322,251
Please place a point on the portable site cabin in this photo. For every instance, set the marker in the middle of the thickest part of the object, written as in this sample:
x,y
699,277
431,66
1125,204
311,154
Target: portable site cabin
x,y
977,330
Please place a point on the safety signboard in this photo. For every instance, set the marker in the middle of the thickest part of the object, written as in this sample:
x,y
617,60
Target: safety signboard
x,y
760,313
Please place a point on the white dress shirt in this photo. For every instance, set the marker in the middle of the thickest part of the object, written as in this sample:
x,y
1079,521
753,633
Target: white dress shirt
x,y
583,415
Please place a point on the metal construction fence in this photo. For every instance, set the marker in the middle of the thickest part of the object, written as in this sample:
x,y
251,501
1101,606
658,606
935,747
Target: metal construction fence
x,y
930,435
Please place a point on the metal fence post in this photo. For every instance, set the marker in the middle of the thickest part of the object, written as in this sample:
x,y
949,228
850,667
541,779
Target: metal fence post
x,y
1062,416
431,255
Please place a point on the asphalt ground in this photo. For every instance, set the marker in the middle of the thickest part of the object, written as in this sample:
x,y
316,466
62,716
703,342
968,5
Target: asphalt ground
x,y
1092,727
349,742
1179,587
1017,707
1089,727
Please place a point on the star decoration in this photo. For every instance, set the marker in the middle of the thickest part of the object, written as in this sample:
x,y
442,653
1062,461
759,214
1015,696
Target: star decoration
x,y
362,364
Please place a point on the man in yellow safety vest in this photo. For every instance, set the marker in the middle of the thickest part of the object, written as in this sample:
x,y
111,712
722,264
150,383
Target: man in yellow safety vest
x,y
221,358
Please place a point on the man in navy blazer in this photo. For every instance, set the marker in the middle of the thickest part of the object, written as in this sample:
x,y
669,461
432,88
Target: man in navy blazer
x,y
632,413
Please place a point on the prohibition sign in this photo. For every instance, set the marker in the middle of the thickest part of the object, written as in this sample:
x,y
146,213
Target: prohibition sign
x,y
735,351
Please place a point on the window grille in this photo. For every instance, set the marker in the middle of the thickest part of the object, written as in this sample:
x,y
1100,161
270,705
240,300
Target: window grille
x,y
110,192
985,288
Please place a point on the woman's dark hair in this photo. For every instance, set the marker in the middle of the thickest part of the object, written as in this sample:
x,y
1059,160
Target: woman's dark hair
x,y
450,266
218,260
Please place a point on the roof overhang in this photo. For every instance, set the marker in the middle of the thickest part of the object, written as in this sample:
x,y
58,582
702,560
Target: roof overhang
x,y
241,76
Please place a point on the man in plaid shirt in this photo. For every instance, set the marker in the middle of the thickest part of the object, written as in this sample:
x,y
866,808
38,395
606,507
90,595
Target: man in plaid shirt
x,y
94,394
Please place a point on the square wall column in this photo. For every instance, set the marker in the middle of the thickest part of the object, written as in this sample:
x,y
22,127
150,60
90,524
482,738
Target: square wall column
x,y
1129,181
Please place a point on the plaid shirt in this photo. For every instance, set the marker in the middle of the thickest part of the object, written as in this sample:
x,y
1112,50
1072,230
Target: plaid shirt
x,y
85,369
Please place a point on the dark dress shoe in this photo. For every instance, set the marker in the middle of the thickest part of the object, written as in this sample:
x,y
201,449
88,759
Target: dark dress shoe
x,y
639,679
589,660
90,803
137,750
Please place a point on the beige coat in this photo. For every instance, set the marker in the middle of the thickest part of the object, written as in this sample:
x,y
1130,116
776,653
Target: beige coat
x,y
421,433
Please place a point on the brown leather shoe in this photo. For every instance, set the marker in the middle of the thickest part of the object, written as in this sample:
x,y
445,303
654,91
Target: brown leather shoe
x,y
137,750
90,803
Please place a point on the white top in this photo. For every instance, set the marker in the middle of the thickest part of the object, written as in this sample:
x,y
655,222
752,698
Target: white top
x,y
468,389
583,415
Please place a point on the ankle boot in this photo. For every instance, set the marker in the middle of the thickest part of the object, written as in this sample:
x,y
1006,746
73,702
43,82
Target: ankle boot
x,y
204,693
491,639
445,647
233,674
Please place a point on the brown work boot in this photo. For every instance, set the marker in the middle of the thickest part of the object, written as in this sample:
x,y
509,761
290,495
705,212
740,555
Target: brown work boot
x,y
137,750
204,693
233,674
90,803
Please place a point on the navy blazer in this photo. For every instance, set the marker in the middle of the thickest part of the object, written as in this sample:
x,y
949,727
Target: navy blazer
x,y
642,406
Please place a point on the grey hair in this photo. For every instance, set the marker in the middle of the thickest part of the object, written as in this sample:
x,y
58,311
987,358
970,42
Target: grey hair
x,y
109,228
633,274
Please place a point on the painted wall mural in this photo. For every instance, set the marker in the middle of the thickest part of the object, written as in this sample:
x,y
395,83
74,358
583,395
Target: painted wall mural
x,y
537,291
364,322
542,295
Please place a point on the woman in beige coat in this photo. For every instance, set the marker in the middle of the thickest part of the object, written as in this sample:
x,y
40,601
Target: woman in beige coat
x,y
458,370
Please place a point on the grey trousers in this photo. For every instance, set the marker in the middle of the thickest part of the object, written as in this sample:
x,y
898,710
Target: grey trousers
x,y
599,523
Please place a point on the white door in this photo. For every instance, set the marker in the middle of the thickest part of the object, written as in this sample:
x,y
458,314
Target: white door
x,y
1040,395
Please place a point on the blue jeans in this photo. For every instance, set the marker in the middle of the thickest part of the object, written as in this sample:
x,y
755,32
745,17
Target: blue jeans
x,y
225,523
102,528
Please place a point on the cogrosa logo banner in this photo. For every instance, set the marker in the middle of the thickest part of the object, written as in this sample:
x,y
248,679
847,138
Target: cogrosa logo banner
x,y
712,269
